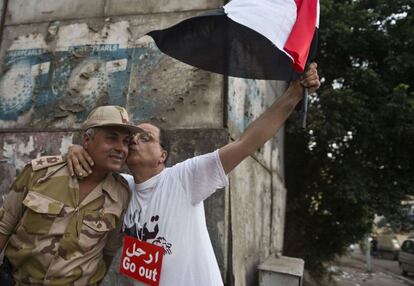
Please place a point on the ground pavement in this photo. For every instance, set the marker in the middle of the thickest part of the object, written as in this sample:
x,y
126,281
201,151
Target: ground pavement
x,y
351,270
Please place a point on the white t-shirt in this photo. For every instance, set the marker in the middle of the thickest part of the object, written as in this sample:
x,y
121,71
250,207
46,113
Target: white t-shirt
x,y
168,210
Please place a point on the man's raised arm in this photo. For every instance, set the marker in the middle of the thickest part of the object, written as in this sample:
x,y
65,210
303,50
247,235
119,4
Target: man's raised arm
x,y
267,125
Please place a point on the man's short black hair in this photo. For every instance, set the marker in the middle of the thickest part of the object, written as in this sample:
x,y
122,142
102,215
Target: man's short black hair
x,y
165,142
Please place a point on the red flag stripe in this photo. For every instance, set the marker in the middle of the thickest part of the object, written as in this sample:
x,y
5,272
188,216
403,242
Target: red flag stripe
x,y
300,38
288,24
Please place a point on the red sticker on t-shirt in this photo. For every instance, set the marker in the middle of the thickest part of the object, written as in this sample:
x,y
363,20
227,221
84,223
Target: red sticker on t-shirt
x,y
141,260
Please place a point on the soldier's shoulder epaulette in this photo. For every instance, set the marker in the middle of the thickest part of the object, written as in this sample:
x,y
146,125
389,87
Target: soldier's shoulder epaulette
x,y
46,161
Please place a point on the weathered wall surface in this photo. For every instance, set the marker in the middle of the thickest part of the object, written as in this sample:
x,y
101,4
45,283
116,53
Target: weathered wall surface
x,y
60,59
26,11
257,192
19,148
247,99
250,196
52,80
1,10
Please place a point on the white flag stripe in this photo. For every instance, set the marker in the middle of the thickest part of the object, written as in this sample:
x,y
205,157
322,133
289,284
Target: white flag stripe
x,y
273,19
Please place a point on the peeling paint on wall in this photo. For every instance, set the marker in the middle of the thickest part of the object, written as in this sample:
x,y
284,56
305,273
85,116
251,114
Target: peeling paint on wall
x,y
67,77
248,99
53,81
172,94
13,152
18,149
22,74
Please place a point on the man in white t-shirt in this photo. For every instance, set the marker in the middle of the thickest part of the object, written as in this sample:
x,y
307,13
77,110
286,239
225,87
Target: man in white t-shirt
x,y
167,203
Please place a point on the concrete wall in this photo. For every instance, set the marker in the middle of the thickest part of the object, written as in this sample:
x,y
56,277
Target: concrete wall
x,y
1,10
257,192
60,59
247,99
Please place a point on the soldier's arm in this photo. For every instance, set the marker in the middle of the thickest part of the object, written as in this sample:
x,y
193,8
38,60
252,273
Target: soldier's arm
x,y
267,125
11,211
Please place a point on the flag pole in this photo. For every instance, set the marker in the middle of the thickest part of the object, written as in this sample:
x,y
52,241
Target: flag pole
x,y
304,109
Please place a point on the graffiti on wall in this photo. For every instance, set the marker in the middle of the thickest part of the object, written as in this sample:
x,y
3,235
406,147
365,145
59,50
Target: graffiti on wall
x,y
54,80
83,69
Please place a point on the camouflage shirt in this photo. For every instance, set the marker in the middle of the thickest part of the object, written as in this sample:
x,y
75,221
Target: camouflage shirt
x,y
54,239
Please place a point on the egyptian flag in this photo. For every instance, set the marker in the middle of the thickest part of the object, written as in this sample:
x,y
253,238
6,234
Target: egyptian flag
x,y
259,39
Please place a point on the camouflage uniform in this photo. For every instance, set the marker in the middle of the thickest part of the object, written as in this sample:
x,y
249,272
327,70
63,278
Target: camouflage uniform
x,y
55,240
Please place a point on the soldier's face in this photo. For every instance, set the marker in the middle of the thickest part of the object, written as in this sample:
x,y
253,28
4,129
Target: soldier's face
x,y
108,148
145,149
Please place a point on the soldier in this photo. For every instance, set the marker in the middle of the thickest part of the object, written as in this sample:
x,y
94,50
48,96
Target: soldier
x,y
61,230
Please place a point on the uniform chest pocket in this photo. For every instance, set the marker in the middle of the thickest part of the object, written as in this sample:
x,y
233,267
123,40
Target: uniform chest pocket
x,y
95,228
40,213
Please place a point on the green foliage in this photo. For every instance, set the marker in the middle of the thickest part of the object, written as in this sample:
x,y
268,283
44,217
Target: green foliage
x,y
356,157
